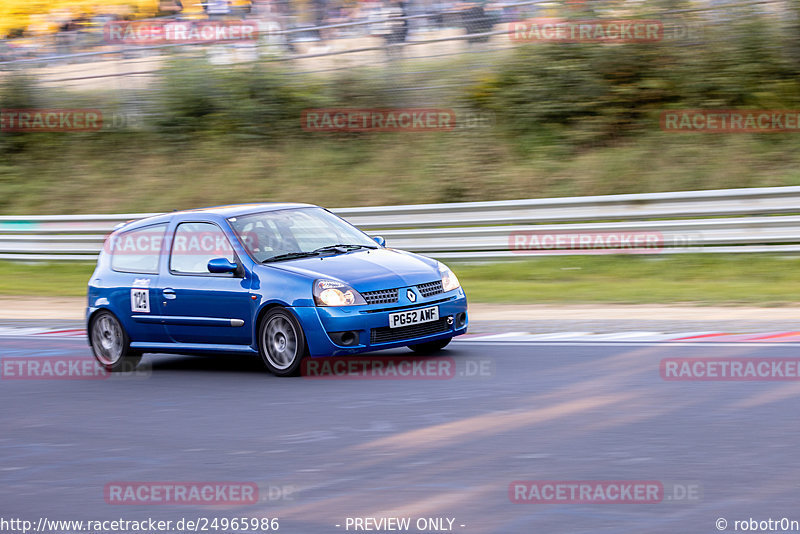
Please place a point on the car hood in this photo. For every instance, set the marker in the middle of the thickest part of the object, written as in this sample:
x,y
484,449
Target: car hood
x,y
367,270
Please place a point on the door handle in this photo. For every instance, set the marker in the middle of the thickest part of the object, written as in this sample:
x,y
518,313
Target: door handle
x,y
169,293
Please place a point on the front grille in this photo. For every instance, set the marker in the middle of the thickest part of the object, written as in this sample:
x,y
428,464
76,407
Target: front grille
x,y
385,334
408,307
384,296
430,289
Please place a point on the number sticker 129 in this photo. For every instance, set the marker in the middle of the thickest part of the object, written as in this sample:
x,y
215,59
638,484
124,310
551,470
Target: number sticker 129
x,y
140,300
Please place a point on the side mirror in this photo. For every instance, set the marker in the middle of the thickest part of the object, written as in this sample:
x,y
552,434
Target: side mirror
x,y
379,240
221,265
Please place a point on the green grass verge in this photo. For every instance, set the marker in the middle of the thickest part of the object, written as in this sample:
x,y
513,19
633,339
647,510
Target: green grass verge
x,y
45,279
706,279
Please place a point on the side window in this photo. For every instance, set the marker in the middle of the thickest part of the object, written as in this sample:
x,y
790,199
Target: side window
x,y
137,251
194,244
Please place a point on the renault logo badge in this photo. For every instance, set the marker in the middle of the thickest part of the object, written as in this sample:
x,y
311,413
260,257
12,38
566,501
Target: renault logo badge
x,y
411,295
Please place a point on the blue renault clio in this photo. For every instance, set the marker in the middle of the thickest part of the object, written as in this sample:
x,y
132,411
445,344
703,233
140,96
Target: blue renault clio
x,y
286,281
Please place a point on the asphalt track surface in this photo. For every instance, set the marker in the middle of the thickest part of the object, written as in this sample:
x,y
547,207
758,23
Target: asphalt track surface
x,y
323,450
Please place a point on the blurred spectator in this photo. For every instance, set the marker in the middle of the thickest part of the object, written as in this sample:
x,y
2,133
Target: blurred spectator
x,y
169,7
217,9
393,28
318,13
241,8
282,13
476,20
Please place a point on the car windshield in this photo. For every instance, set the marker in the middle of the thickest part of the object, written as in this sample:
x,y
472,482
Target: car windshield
x,y
292,233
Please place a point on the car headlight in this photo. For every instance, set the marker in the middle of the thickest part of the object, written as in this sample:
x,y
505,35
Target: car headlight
x,y
449,280
333,293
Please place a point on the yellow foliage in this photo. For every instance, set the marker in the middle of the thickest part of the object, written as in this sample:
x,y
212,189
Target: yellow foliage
x,y
43,16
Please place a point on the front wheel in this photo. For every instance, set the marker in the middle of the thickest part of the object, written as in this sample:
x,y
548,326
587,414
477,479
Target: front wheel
x,y
281,342
431,346
110,344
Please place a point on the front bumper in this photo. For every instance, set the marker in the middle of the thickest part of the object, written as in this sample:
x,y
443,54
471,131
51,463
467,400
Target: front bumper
x,y
370,325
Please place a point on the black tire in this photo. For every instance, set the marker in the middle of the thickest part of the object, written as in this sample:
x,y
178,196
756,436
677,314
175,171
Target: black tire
x,y
281,342
430,347
111,345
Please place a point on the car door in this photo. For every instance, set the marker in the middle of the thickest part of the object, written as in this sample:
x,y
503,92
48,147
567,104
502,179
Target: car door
x,y
132,284
199,306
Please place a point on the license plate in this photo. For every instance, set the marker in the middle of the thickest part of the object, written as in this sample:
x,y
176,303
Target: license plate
x,y
408,318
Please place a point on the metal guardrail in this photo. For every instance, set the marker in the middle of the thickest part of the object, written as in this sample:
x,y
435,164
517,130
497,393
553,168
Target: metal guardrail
x,y
725,220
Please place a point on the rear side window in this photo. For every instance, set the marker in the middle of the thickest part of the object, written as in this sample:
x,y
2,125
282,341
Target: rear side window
x,y
195,244
137,251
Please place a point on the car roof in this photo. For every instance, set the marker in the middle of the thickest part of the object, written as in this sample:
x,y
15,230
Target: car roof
x,y
217,212
234,210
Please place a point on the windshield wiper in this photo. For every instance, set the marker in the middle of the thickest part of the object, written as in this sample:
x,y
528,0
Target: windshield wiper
x,y
290,256
341,248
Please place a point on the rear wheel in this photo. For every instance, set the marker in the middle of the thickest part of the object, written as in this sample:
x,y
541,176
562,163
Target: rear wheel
x,y
110,344
431,346
281,342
